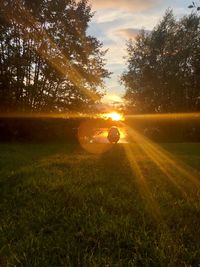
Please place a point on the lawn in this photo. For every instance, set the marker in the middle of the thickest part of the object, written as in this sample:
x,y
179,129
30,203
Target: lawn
x,y
61,206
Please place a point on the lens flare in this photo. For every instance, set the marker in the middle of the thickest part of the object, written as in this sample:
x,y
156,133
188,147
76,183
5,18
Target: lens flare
x,y
165,116
86,136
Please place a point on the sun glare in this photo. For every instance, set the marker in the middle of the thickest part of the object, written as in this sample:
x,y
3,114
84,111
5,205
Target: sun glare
x,y
113,116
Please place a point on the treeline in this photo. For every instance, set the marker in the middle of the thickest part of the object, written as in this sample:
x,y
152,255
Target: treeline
x,y
48,62
163,72
174,129
48,129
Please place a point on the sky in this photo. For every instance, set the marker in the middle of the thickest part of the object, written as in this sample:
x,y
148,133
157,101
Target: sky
x,y
116,21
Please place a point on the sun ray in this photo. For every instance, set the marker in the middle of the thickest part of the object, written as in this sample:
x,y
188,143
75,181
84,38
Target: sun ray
x,y
141,182
174,169
60,61
158,156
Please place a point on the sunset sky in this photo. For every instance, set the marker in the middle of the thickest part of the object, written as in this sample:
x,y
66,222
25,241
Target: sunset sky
x,y
116,21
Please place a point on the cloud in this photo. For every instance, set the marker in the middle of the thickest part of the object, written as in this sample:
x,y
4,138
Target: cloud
x,y
129,33
110,15
133,5
116,21
112,98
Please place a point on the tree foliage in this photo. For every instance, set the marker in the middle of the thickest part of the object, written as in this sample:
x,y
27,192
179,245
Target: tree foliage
x,y
194,5
48,62
163,73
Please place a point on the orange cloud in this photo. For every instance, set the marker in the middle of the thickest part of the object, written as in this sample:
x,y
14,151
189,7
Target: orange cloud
x,y
129,33
124,4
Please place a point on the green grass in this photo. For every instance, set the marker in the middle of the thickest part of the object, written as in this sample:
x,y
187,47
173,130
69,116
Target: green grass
x,y
61,206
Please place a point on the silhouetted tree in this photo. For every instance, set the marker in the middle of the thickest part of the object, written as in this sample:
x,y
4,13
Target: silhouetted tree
x,y
48,62
195,5
163,73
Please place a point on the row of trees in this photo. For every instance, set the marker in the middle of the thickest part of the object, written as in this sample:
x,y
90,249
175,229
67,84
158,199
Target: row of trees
x,y
48,62
163,67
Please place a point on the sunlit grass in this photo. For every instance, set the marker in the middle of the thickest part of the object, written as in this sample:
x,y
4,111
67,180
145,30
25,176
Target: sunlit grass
x,y
132,153
172,167
62,206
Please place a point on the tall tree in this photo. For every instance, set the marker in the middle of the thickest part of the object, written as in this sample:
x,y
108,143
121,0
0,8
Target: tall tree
x,y
48,61
163,73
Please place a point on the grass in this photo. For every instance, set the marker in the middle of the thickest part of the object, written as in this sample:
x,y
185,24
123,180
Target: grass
x,y
61,206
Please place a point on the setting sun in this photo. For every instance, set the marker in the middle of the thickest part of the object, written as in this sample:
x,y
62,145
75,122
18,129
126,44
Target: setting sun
x,y
114,116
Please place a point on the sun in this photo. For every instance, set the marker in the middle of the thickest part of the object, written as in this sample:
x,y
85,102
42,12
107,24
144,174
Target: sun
x,y
114,116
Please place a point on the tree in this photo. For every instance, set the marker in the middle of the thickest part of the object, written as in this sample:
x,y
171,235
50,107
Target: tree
x,y
163,73
194,5
48,61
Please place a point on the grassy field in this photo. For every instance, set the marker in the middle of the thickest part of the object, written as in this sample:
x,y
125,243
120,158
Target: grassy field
x,y
61,206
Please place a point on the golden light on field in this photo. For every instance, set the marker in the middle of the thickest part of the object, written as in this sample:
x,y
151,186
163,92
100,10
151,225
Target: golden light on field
x,y
175,170
137,167
114,116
